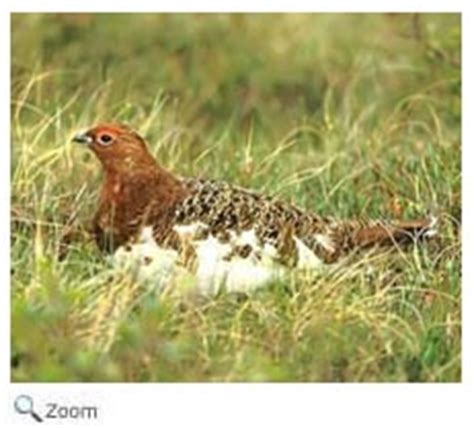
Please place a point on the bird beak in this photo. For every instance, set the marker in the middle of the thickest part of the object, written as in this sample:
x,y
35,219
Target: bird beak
x,y
82,138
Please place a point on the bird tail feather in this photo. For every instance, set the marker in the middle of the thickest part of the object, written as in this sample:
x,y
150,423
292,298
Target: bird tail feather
x,y
396,232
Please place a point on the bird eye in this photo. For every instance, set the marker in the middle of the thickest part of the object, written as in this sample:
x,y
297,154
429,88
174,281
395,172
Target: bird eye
x,y
105,139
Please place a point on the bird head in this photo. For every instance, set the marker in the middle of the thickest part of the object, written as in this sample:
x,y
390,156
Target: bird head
x,y
118,147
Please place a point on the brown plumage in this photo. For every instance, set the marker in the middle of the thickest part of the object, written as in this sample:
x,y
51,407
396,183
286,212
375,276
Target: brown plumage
x,y
138,192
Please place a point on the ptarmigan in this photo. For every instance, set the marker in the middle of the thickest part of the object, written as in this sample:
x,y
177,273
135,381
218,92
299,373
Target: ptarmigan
x,y
225,236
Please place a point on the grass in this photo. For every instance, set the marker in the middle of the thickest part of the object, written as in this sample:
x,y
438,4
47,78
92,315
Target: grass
x,y
345,115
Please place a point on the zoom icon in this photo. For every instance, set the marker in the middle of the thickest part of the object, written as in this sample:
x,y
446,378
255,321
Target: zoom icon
x,y
24,406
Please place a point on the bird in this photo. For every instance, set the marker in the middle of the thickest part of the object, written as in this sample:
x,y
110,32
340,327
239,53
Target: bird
x,y
158,223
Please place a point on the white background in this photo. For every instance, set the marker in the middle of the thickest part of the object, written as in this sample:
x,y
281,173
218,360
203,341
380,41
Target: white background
x,y
249,405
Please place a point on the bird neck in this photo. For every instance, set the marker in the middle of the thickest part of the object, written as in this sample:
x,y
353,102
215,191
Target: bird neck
x,y
132,200
141,186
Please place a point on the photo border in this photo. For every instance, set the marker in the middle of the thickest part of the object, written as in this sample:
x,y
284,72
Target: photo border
x,y
292,404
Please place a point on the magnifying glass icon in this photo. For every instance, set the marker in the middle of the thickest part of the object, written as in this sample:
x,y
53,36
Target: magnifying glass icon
x,y
24,405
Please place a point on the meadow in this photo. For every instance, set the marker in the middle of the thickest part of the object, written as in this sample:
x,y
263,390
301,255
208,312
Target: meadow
x,y
348,115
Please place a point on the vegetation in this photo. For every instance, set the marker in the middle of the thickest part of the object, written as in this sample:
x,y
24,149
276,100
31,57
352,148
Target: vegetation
x,y
345,115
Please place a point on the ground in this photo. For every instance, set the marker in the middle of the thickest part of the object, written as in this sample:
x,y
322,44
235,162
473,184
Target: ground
x,y
346,115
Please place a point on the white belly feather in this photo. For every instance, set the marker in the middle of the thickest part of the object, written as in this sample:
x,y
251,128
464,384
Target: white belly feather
x,y
216,267
146,261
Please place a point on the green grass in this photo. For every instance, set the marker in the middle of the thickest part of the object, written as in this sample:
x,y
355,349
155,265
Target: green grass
x,y
346,115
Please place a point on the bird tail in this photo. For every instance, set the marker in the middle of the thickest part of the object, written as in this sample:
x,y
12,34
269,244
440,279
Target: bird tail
x,y
397,232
